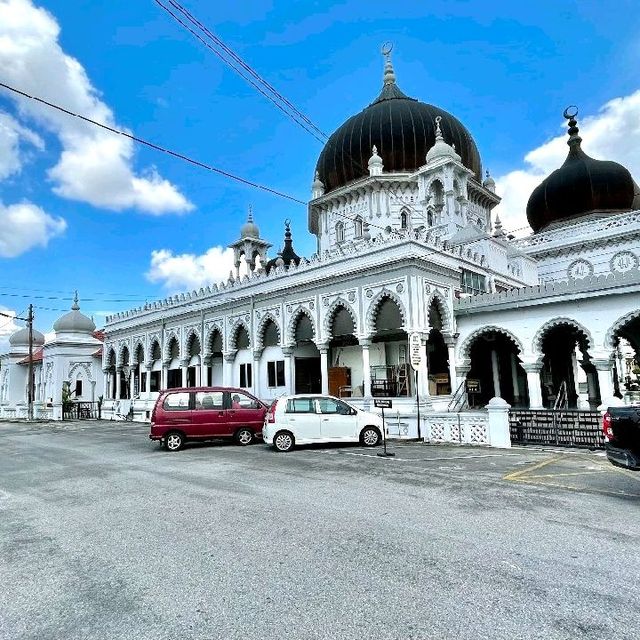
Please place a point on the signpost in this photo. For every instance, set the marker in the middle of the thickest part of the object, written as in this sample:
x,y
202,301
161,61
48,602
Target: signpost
x,y
384,404
472,387
416,355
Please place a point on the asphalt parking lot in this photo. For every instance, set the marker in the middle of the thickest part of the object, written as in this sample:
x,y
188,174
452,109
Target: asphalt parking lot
x,y
105,535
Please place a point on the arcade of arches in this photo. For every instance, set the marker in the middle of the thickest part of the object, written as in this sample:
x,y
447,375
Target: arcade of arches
x,y
563,369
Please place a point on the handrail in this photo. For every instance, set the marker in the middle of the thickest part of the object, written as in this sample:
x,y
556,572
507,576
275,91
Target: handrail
x,y
459,400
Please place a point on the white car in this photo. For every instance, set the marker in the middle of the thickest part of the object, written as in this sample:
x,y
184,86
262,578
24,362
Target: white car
x,y
307,419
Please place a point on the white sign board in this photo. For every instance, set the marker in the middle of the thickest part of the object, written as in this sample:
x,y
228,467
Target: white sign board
x,y
415,350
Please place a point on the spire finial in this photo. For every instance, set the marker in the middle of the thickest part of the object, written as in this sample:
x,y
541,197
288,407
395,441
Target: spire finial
x,y
570,114
389,74
250,216
438,130
76,305
498,232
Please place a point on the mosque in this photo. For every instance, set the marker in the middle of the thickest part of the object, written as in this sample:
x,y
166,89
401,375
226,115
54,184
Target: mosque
x,y
415,292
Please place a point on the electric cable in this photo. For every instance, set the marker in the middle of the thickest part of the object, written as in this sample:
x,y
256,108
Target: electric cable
x,y
152,145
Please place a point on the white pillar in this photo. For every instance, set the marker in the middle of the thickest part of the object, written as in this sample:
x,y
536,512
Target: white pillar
x,y
255,374
451,348
118,382
499,432
132,383
423,373
184,366
227,369
514,378
324,367
605,379
287,352
365,343
107,384
534,384
496,373
147,380
164,377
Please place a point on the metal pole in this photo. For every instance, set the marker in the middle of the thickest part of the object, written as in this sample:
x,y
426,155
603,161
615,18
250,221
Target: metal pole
x,y
418,405
30,386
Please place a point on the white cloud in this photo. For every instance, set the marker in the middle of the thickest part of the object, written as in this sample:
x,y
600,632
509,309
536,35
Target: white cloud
x,y
12,134
612,134
7,327
24,226
95,165
189,271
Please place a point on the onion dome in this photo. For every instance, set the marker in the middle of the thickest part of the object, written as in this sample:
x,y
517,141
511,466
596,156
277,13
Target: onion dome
x,y
74,321
249,229
441,149
287,256
402,128
580,186
21,338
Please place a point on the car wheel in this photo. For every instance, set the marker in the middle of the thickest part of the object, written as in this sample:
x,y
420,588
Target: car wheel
x,y
370,437
244,436
283,441
173,441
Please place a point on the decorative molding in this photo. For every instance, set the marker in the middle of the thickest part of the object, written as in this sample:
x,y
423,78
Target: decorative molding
x,y
465,347
536,343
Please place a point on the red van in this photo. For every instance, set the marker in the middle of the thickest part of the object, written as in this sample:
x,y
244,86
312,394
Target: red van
x,y
204,413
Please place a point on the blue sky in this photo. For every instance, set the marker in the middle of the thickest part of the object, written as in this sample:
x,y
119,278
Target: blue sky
x,y
506,69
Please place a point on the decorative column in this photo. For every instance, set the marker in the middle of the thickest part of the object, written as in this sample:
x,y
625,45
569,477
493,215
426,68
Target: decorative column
x,y
324,367
107,383
255,374
462,370
147,379
495,370
118,382
184,366
450,341
202,375
423,373
514,379
227,368
164,378
605,378
132,382
534,384
365,344
287,352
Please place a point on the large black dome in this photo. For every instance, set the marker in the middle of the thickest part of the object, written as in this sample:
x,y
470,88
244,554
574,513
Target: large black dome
x,y
581,185
402,128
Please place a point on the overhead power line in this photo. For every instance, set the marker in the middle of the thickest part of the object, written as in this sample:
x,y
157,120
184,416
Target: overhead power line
x,y
210,40
152,145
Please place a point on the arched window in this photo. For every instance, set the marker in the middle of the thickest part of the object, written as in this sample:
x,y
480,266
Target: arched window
x,y
357,225
430,218
340,232
404,220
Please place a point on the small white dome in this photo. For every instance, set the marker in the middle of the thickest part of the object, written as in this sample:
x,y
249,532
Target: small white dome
x,y
375,160
441,149
489,183
74,321
249,229
21,338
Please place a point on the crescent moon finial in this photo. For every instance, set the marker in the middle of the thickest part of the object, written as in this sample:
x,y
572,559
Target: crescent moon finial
x,y
387,48
570,112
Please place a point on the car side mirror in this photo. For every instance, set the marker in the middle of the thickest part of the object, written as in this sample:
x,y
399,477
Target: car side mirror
x,y
354,412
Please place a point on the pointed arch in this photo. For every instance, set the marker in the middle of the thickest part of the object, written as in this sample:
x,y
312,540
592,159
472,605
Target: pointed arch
x,y
538,338
329,317
192,337
122,351
171,339
235,332
138,348
264,323
110,359
155,351
618,327
465,348
443,307
215,338
374,307
293,324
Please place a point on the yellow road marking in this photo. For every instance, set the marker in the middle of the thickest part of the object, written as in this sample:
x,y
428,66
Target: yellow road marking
x,y
579,489
538,465
559,475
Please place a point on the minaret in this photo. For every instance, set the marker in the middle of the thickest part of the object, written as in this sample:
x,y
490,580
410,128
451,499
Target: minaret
x,y
375,163
250,245
317,187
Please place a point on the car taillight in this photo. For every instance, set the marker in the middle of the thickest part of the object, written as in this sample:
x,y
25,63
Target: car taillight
x,y
271,414
606,426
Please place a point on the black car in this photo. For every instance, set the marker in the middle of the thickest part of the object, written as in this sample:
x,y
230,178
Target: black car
x,y
621,426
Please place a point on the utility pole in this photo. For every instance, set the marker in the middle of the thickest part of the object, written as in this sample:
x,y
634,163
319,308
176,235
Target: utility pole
x,y
30,386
